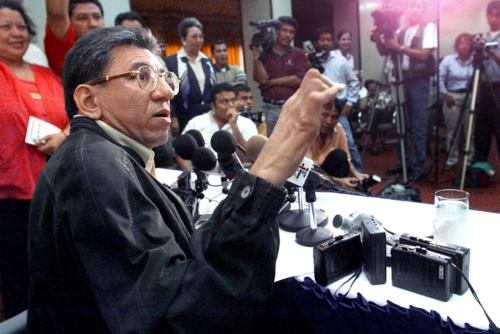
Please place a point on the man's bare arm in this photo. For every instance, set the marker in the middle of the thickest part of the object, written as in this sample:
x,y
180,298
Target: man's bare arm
x,y
288,81
417,54
57,17
259,72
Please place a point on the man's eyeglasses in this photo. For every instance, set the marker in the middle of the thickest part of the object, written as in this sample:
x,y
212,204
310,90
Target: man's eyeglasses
x,y
146,77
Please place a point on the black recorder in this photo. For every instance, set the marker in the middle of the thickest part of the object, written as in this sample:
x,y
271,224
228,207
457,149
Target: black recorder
x,y
374,251
459,255
337,258
419,270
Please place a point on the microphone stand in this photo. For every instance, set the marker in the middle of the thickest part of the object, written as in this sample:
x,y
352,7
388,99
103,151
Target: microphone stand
x,y
313,235
295,220
200,184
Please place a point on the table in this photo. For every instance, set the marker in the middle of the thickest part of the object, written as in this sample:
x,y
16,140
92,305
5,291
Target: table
x,y
399,217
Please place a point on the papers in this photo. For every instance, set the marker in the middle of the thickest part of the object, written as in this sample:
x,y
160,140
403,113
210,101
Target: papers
x,y
37,129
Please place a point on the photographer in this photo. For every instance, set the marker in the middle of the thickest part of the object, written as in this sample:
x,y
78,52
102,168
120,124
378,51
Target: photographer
x,y
488,117
416,44
278,70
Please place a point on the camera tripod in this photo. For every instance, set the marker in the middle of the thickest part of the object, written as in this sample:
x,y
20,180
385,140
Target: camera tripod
x,y
474,89
399,96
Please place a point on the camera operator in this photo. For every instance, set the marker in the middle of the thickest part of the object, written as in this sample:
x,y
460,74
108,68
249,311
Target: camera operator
x,y
278,70
416,44
337,69
488,117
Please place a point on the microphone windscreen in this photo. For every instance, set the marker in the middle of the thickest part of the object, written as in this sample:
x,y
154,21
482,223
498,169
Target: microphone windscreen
x,y
223,143
184,146
254,146
204,159
197,136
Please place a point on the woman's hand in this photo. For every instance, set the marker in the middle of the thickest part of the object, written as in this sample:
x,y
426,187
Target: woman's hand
x,y
50,143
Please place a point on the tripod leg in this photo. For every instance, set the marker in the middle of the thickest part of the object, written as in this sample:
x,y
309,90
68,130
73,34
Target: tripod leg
x,y
475,89
372,109
454,127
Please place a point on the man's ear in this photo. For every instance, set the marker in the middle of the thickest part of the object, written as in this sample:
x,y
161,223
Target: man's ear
x,y
85,100
212,105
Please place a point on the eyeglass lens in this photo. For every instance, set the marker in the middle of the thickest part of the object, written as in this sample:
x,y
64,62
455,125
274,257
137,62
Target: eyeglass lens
x,y
148,79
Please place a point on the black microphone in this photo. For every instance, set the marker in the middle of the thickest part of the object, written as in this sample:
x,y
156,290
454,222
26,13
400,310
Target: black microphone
x,y
184,146
197,136
204,159
225,145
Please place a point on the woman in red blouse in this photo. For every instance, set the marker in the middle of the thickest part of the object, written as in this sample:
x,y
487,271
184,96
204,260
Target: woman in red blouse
x,y
28,90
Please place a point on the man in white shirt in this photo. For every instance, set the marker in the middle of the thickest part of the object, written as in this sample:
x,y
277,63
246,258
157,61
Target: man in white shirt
x,y
223,116
416,44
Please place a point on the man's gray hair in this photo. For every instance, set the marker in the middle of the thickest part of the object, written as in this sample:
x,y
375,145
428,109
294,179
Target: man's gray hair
x,y
91,56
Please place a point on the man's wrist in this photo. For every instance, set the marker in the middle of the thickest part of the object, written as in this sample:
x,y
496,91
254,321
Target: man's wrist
x,y
402,49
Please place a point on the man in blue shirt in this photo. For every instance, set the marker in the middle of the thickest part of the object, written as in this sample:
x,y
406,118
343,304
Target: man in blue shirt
x,y
455,72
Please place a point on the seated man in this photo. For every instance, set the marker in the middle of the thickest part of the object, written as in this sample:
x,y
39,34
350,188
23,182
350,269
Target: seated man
x,y
330,150
114,251
223,116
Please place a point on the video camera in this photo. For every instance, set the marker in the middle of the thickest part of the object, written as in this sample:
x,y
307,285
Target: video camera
x,y
353,222
479,44
267,35
315,56
387,20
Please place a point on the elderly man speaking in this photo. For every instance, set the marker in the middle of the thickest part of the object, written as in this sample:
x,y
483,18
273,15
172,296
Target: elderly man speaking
x,y
114,251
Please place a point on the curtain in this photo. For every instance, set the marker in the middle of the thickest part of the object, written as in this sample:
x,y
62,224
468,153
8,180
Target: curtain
x,y
233,52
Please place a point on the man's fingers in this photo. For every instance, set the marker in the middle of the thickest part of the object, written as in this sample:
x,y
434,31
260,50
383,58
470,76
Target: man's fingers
x,y
332,91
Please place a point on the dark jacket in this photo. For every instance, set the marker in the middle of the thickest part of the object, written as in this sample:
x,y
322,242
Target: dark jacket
x,y
114,251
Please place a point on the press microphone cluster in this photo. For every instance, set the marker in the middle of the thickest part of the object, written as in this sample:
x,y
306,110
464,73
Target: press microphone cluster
x,y
191,146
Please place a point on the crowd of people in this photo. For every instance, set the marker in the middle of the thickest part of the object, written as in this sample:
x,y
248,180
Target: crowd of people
x,y
109,245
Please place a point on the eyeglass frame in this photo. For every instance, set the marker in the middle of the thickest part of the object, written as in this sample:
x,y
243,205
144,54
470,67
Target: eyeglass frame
x,y
135,73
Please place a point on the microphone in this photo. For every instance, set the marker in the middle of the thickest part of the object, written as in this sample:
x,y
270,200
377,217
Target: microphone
x,y
184,146
197,136
204,160
225,145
